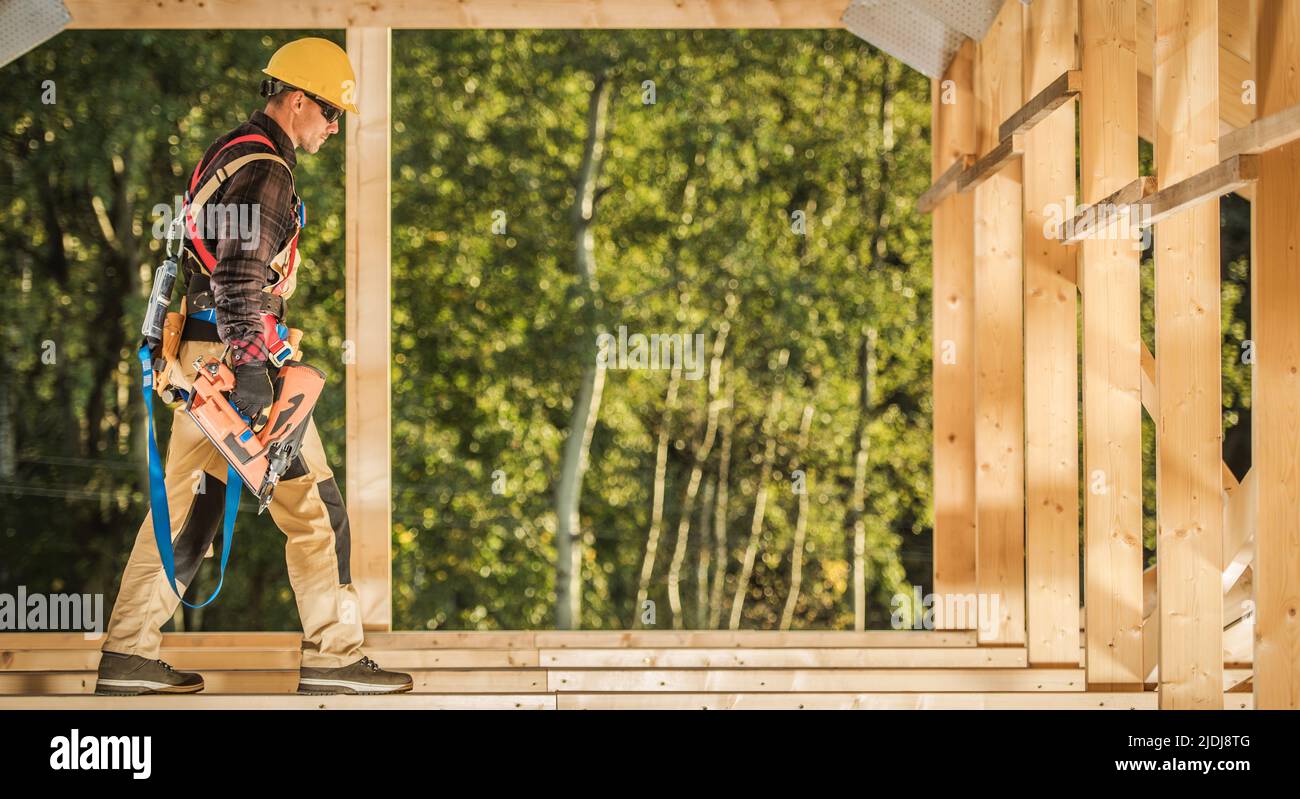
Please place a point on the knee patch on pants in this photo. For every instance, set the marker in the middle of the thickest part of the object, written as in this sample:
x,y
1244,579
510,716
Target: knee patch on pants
x,y
200,528
329,494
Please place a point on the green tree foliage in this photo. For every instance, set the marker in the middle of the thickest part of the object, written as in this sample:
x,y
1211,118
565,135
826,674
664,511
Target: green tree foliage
x,y
769,185
698,196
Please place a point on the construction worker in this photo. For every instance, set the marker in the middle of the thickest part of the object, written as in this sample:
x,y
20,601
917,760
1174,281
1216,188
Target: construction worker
x,y
237,284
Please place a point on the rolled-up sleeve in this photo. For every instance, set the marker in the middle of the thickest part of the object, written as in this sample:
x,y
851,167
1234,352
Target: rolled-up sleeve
x,y
253,219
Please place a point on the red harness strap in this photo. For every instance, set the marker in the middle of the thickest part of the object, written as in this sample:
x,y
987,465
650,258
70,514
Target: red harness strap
x,y
206,258
289,266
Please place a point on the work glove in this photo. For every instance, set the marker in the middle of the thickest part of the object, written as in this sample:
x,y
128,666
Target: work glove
x,y
252,392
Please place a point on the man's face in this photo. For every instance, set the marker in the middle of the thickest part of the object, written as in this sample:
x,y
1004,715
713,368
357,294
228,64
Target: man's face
x,y
312,128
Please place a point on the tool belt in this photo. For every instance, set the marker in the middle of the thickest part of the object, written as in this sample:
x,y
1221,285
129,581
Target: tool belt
x,y
200,325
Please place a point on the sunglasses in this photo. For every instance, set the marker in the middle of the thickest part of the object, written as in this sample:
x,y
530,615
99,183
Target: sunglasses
x,y
330,111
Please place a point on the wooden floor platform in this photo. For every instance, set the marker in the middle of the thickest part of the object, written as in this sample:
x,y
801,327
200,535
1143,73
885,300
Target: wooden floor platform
x,y
590,670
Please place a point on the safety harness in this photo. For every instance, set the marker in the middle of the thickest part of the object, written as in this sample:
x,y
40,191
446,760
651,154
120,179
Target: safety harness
x,y
202,315
199,296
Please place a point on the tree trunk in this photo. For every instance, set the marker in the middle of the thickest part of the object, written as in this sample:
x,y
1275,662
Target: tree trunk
x,y
657,501
697,473
117,278
857,501
867,355
760,499
702,569
586,406
720,512
800,525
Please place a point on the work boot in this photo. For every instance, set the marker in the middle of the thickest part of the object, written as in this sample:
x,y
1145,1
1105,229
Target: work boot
x,y
131,675
362,677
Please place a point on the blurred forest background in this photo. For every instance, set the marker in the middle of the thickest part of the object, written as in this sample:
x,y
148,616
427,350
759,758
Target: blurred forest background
x,y
752,187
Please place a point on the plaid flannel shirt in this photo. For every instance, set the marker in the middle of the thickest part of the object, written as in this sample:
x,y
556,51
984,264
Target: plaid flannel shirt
x,y
261,191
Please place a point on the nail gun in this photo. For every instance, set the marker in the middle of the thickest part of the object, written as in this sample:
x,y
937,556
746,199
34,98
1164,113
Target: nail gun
x,y
261,458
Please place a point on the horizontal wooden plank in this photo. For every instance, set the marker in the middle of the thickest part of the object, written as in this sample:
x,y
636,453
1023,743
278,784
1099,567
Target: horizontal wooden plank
x,y
945,186
756,639
1225,177
200,659
1007,151
207,701
842,680
490,14
184,659
451,639
951,657
527,639
1095,219
1077,700
1056,94
83,682
237,640
1262,135
472,681
1145,207
433,681
406,659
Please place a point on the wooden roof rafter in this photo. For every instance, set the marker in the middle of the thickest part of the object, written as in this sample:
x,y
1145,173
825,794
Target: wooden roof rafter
x,y
455,14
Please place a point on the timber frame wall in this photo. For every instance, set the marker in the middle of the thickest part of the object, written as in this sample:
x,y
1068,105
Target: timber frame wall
x,y
1008,287
1214,85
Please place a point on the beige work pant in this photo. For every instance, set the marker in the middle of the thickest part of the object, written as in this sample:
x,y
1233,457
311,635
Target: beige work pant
x,y
306,506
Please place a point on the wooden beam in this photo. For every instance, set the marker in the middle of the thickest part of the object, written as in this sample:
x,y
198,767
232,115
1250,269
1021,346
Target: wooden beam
x,y
1189,485
1238,606
1262,135
1275,384
1234,72
1151,403
1112,344
1137,205
409,701
727,680
954,354
1146,114
986,657
1005,152
1222,178
1077,700
999,336
489,14
1051,352
1235,65
554,639
1057,93
944,186
368,365
614,700
1239,641
1240,521
1096,219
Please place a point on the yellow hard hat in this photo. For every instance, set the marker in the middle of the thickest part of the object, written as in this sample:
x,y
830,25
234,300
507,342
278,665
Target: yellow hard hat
x,y
319,67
